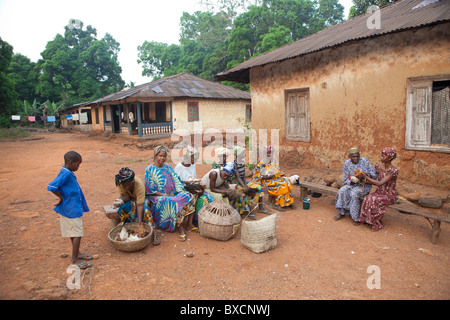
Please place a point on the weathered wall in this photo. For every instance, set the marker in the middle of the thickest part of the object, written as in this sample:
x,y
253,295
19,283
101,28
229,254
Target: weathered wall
x,y
220,114
357,98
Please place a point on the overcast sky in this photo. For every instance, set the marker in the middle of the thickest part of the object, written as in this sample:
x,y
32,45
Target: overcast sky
x,y
28,25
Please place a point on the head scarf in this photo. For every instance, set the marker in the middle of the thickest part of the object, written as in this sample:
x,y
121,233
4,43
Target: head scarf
x,y
268,148
229,168
353,150
390,152
158,149
222,151
125,174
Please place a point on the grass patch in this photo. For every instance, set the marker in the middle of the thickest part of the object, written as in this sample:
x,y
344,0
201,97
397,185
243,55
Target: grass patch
x,y
13,133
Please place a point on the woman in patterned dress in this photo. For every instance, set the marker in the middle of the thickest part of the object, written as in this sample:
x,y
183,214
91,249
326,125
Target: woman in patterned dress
x,y
245,202
170,202
135,206
269,174
374,205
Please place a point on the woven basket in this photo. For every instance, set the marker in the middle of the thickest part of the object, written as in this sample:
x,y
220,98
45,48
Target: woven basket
x,y
130,246
218,220
259,236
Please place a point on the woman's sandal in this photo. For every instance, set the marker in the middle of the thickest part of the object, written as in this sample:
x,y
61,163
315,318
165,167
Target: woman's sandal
x,y
194,229
85,257
182,237
84,265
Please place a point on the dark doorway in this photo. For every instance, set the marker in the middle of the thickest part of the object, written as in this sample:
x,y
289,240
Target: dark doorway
x,y
115,119
160,111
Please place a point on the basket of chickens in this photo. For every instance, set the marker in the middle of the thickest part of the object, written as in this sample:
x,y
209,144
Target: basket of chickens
x,y
131,236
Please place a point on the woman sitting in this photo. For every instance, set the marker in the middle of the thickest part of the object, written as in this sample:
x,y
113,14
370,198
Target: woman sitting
x,y
187,172
215,183
252,192
170,203
135,206
374,204
269,174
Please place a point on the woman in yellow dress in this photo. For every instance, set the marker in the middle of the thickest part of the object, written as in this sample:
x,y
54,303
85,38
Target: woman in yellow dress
x,y
269,174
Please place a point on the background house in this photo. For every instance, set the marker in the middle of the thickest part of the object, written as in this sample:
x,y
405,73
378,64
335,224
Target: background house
x,y
360,83
165,106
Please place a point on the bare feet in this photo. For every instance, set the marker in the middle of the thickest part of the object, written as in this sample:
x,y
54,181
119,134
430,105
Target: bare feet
x,y
339,216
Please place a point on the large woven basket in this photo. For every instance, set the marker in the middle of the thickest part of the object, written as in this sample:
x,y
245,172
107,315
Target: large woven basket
x,y
130,246
259,236
218,220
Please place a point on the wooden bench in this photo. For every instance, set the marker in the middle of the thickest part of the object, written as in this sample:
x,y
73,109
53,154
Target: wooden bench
x,y
433,219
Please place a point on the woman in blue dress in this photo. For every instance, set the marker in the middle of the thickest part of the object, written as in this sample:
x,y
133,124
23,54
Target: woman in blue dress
x,y
170,203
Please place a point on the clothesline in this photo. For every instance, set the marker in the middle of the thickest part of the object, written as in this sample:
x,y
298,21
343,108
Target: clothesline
x,y
34,118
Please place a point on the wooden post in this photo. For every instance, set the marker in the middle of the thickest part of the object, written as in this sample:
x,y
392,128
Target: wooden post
x,y
139,119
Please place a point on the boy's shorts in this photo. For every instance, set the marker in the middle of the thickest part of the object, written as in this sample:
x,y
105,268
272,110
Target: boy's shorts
x,y
71,228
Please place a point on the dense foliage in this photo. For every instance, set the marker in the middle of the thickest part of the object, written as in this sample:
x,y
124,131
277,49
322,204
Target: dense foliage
x,y
213,42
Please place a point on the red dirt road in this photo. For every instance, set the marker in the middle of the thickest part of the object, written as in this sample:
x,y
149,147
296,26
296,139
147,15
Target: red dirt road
x,y
315,258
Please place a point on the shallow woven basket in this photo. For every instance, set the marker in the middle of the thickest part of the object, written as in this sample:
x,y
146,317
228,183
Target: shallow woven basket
x,y
130,246
218,220
259,236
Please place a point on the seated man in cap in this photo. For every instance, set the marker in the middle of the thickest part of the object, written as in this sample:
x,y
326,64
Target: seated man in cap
x,y
353,191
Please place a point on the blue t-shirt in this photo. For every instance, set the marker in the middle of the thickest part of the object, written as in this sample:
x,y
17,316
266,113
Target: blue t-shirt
x,y
73,203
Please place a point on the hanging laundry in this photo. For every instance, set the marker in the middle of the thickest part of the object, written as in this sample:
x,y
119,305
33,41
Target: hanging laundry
x,y
31,118
69,117
75,116
51,119
15,117
83,117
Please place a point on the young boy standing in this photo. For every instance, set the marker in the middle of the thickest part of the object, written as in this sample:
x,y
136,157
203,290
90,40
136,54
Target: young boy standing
x,y
71,206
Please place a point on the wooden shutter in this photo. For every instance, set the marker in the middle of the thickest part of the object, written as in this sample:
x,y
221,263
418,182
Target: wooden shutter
x,y
418,121
193,111
297,115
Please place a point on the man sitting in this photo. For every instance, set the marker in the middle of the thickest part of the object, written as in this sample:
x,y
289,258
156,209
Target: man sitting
x,y
348,200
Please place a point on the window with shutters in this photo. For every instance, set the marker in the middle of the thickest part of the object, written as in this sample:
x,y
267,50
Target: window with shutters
x,y
428,114
193,111
248,113
297,115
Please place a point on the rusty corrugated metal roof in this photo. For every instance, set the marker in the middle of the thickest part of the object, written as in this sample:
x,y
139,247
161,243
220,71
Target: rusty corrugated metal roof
x,y
397,17
182,85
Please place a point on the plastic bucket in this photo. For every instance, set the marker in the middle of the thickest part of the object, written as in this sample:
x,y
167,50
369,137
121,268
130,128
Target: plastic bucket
x,y
306,202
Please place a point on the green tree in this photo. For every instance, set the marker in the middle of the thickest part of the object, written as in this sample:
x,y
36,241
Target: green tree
x,y
8,94
220,38
78,67
25,76
361,6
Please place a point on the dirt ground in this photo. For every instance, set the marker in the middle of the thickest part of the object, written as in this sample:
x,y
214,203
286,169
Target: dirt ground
x,y
315,258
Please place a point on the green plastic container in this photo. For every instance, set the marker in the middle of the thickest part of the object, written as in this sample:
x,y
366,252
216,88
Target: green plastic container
x,y
306,202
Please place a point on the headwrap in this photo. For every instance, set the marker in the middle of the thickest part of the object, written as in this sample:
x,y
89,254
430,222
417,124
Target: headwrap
x,y
125,174
158,149
268,148
229,168
221,151
353,150
390,152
